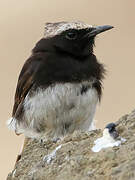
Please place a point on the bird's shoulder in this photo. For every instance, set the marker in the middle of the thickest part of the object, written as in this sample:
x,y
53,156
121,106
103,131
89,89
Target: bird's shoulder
x,y
27,78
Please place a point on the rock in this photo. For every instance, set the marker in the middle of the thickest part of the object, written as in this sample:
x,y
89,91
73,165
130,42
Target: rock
x,y
72,158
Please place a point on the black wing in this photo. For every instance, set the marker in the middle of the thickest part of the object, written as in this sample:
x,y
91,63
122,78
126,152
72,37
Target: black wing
x,y
25,83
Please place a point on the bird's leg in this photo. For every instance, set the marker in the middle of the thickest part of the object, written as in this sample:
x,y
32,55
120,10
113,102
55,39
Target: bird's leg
x,y
44,140
56,139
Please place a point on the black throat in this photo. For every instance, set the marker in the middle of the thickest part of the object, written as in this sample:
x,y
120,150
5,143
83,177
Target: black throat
x,y
61,67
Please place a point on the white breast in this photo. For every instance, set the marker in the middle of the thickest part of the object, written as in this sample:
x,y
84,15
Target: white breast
x,y
59,109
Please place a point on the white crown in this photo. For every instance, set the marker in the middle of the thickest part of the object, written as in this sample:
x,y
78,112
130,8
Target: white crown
x,y
52,29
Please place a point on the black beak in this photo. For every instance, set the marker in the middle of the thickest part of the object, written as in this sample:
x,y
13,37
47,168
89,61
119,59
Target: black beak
x,y
98,29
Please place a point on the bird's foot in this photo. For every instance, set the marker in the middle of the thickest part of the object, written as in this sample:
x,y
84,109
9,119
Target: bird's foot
x,y
56,139
45,141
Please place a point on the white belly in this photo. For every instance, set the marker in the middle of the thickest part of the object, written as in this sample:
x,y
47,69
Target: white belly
x,y
59,110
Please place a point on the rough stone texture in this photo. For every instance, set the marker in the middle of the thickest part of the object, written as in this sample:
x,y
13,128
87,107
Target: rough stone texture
x,y
75,160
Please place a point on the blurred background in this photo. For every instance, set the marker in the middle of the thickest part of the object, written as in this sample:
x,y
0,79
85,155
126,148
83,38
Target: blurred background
x,y
22,25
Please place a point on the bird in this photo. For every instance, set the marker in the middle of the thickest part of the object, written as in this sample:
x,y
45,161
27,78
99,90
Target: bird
x,y
60,84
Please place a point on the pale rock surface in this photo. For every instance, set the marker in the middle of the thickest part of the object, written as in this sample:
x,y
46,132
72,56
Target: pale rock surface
x,y
73,159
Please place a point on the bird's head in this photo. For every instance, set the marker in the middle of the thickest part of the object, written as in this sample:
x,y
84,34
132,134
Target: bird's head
x,y
75,38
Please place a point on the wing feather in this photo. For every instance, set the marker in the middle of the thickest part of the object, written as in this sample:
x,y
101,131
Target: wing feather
x,y
25,82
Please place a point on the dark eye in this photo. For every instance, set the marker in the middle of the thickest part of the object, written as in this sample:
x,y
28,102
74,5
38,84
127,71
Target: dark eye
x,y
71,35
